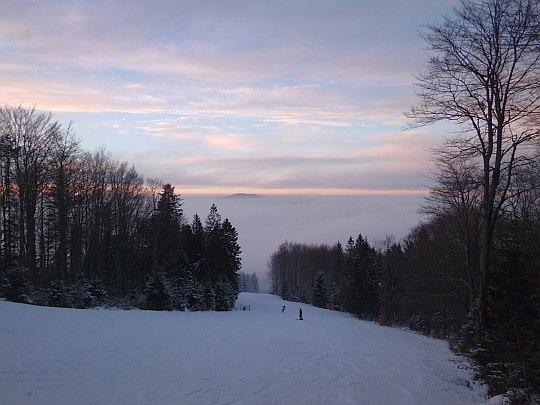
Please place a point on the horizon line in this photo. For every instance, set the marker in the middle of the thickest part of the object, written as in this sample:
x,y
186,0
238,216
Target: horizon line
x,y
329,192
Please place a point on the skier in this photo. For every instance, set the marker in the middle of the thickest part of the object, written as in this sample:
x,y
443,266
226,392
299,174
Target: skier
x,y
283,308
300,315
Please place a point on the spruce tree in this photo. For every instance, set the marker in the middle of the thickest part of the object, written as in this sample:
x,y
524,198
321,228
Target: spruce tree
x,y
214,251
221,261
319,292
232,251
359,290
193,238
157,292
166,224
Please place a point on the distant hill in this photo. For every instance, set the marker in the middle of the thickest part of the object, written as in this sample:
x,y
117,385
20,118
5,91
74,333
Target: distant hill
x,y
243,196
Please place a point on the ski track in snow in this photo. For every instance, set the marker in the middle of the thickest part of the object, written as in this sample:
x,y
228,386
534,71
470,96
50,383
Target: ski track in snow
x,y
261,356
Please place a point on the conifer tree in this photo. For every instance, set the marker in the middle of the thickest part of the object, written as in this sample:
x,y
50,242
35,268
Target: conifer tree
x,y
214,253
221,262
359,292
166,221
157,292
232,251
193,239
319,292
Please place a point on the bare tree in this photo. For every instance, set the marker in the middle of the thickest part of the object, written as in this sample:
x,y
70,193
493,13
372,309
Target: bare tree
x,y
33,135
97,210
484,75
8,209
455,198
127,193
63,167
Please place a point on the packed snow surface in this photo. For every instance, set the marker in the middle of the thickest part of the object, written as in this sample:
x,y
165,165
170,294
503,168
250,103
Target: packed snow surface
x,y
260,356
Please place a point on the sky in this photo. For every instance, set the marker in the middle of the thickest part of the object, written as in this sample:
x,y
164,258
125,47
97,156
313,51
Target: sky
x,y
288,99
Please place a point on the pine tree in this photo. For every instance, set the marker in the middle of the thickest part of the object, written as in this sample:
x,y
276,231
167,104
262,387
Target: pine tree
x,y
319,292
213,220
232,250
193,238
221,261
157,292
193,241
359,290
214,252
166,226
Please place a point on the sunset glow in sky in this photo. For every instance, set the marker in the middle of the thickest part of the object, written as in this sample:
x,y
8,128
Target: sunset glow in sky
x,y
268,97
298,100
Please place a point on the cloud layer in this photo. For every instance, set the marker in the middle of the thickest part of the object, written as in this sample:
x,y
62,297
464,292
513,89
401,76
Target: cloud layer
x,y
264,223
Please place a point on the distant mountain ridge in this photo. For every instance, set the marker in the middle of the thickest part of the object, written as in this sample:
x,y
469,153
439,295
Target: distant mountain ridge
x,y
243,196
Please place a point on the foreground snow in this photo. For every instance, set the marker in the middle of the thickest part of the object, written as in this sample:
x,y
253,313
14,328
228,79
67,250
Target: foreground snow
x,y
261,356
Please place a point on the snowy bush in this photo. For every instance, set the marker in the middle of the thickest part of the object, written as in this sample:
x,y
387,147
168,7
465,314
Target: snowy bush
x,y
88,293
58,294
133,299
420,324
82,293
14,285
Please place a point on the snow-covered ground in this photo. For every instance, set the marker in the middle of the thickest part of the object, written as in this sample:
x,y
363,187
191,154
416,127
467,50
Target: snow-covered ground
x,y
261,356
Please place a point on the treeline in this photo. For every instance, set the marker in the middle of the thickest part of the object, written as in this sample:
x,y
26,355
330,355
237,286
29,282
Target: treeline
x,y
352,279
430,280
78,228
248,282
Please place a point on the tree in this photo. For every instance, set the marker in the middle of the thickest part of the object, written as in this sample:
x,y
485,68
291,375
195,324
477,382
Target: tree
x,y
359,286
127,204
193,240
8,203
484,75
167,221
31,136
233,261
390,279
62,177
92,214
156,291
214,251
319,292
221,260
454,200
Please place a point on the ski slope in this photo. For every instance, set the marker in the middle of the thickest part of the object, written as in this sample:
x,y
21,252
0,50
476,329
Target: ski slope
x,y
261,356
